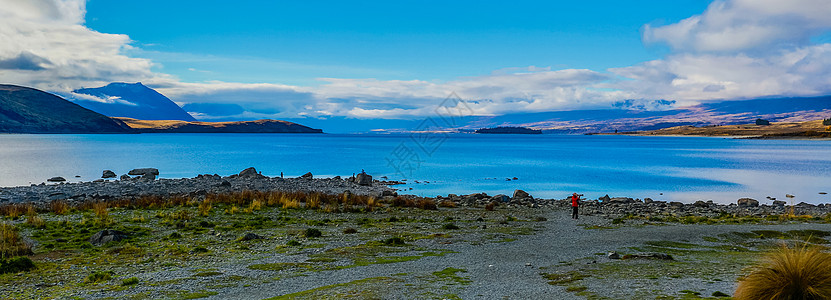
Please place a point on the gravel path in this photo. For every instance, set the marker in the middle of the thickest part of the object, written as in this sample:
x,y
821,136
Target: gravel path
x,y
499,270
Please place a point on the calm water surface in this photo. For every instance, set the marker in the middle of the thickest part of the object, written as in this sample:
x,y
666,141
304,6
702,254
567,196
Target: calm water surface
x,y
663,168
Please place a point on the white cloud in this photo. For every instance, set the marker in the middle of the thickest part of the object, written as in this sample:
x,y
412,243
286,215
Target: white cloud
x,y
741,25
735,49
45,45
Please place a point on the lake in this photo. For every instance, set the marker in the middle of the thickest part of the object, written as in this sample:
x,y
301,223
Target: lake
x,y
550,166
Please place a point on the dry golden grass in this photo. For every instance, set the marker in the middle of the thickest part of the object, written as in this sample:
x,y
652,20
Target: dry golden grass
x,y
426,204
14,210
10,242
291,203
313,201
205,208
789,273
448,204
59,207
100,209
256,205
490,206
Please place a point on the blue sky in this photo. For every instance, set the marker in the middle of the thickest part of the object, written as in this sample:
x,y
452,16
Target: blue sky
x,y
296,42
247,60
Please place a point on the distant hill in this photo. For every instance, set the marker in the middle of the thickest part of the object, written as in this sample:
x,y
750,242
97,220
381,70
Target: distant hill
x,y
705,114
807,129
27,110
508,130
175,126
132,101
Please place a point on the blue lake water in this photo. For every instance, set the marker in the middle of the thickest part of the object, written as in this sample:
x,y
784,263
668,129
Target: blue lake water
x,y
551,166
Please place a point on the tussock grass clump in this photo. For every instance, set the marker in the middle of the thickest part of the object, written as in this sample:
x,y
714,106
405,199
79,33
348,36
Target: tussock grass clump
x,y
789,273
98,277
447,204
100,209
16,264
350,230
312,233
32,218
427,204
59,207
205,208
14,210
491,206
10,242
130,281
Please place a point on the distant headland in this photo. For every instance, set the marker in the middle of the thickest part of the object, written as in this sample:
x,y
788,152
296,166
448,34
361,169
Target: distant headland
x,y
509,130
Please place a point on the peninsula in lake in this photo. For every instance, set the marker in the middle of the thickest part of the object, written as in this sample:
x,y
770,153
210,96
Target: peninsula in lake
x,y
509,130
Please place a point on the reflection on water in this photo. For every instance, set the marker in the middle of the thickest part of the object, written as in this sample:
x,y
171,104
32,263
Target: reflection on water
x,y
550,166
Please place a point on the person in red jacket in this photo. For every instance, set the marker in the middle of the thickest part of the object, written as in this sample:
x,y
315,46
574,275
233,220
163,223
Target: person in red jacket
x,y
575,202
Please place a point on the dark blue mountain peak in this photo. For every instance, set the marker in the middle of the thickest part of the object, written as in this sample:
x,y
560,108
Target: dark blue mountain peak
x,y
144,103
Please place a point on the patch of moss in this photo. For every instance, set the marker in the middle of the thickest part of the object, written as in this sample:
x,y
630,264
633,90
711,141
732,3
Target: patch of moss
x,y
452,275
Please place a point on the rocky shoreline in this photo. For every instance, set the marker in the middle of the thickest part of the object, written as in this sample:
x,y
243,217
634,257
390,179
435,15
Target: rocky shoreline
x,y
620,207
146,185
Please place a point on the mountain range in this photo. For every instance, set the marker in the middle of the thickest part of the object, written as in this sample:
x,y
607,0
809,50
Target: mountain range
x,y
27,110
130,100
618,117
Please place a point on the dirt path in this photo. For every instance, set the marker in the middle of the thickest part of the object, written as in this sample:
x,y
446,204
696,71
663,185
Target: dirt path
x,y
500,270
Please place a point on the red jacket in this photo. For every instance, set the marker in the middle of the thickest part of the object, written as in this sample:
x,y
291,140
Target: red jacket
x,y
574,200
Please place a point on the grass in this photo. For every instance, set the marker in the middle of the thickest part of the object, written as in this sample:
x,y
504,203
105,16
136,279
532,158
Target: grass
x,y
10,242
452,274
789,273
130,281
16,264
175,234
98,277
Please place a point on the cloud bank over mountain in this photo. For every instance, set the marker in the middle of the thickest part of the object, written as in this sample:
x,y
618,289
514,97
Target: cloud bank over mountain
x,y
735,49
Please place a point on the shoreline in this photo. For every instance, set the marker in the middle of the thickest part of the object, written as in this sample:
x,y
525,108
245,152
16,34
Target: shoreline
x,y
197,189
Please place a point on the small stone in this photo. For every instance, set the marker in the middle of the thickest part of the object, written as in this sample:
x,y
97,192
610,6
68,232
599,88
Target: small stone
x,y
56,179
250,236
527,264
107,235
789,196
613,255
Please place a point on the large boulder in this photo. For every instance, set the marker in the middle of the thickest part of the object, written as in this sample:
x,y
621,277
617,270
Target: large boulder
x,y
621,200
143,171
56,179
604,198
308,175
105,236
747,202
500,198
108,174
250,172
700,203
779,203
520,194
363,179
146,173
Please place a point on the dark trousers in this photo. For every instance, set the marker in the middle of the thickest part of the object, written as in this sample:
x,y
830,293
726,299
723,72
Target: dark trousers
x,y
574,212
